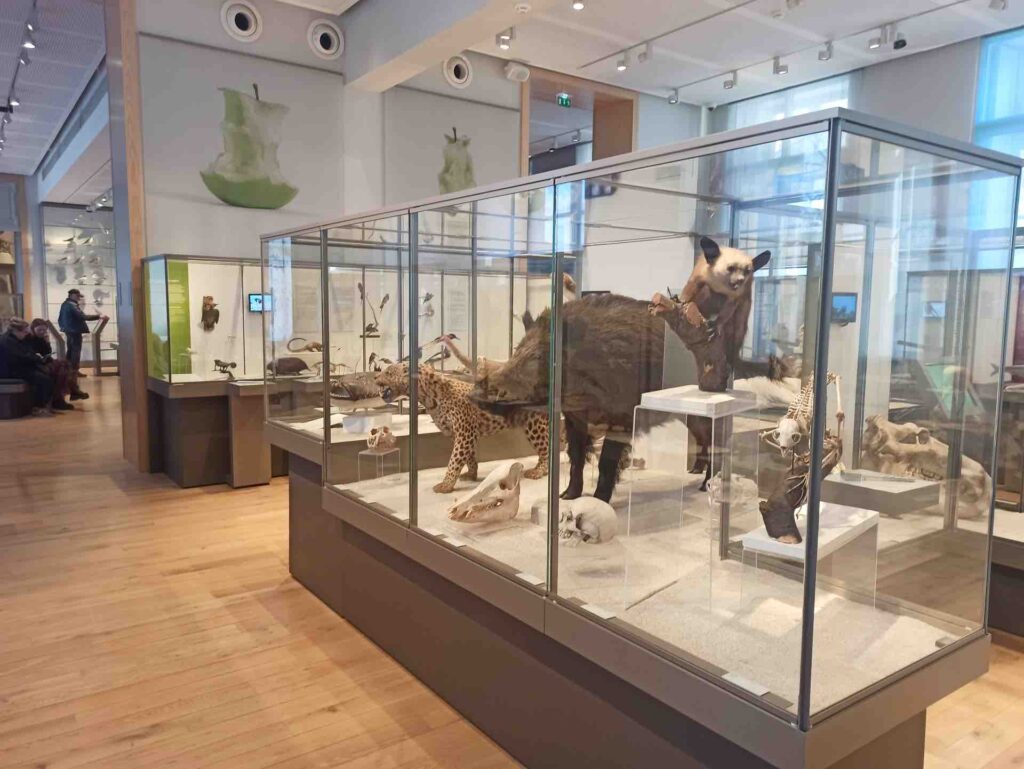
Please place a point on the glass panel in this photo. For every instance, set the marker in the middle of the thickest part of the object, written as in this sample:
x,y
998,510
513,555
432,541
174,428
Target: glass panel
x,y
368,292
290,305
1009,523
919,282
661,532
211,333
157,329
482,470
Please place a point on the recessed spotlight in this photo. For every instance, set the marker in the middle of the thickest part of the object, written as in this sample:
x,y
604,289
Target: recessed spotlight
x,y
673,98
622,64
578,5
730,82
825,54
998,5
778,68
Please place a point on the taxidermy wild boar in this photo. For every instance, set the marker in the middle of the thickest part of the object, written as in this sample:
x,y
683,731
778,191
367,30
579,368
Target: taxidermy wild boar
x,y
210,314
612,354
457,173
287,366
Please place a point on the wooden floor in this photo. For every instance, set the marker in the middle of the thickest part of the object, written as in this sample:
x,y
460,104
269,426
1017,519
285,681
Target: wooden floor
x,y
146,626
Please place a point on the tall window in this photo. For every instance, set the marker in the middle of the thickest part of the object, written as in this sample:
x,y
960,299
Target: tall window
x,y
798,100
999,115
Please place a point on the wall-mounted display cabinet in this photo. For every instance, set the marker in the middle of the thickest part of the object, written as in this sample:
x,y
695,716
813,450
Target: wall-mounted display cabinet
x,y
788,498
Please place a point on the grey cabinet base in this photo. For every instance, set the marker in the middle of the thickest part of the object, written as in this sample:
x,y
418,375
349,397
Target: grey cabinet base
x,y
195,440
542,702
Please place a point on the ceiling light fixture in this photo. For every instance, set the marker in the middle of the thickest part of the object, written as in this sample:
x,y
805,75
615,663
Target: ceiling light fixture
x,y
14,101
730,82
578,5
880,39
623,63
504,39
825,54
577,137
673,98
998,5
7,118
29,41
645,53
24,58
778,68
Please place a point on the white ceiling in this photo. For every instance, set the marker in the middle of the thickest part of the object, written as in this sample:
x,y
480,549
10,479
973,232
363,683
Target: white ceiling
x,y
70,45
334,7
700,41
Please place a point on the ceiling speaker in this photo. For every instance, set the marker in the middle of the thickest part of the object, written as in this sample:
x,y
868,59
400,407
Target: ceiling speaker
x,y
241,20
326,39
458,71
517,72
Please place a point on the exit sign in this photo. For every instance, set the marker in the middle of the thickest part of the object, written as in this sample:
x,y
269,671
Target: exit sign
x,y
564,100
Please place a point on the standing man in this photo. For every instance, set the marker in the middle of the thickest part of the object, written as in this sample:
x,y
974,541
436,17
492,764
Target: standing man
x,y
72,322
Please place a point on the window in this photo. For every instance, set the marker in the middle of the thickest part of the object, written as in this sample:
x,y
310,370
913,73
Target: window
x,y
798,100
999,113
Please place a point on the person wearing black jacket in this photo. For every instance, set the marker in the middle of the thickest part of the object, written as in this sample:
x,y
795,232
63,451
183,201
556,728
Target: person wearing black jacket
x,y
19,361
59,369
72,321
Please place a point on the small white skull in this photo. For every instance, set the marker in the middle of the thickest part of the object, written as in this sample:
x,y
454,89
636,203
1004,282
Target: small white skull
x,y
789,433
587,519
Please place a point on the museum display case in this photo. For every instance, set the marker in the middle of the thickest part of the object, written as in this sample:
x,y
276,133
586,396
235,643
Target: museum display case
x,y
769,365
203,319
79,253
292,312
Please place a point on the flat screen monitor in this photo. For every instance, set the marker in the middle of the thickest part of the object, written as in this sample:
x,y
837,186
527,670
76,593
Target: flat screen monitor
x,y
260,303
844,308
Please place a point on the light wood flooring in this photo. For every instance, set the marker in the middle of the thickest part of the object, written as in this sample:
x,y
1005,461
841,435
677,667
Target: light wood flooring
x,y
142,625
146,626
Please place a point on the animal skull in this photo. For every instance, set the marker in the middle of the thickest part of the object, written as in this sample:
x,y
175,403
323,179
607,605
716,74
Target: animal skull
x,y
587,519
789,433
381,439
496,498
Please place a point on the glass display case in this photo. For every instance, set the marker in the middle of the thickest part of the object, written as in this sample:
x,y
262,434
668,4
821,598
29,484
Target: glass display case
x,y
79,253
292,312
203,319
736,401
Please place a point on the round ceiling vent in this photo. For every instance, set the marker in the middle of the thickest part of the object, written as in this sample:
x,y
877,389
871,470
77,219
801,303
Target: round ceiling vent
x,y
325,39
241,20
458,71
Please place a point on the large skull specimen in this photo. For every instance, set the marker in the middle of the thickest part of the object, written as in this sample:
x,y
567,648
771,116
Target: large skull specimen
x,y
586,519
911,451
496,498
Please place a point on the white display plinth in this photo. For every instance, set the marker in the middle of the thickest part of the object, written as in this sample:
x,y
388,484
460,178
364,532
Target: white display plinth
x,y
876,491
838,525
692,401
365,421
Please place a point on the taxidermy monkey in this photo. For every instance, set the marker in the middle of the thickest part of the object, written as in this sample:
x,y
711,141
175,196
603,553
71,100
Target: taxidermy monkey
x,y
210,314
308,347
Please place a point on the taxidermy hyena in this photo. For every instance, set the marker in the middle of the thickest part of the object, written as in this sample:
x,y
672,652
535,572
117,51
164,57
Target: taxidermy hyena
x,y
613,351
457,173
711,318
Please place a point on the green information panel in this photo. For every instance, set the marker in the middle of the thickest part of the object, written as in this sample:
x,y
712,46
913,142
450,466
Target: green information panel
x,y
178,317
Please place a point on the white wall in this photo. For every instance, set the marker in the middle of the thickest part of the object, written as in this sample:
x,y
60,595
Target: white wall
x,y
662,123
182,110
934,90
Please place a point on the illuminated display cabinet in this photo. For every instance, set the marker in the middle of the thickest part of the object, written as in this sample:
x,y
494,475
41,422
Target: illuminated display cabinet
x,y
798,565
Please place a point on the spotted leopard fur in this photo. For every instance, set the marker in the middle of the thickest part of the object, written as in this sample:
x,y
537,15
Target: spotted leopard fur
x,y
447,401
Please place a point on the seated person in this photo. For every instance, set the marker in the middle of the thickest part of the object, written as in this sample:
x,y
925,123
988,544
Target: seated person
x,y
19,361
64,383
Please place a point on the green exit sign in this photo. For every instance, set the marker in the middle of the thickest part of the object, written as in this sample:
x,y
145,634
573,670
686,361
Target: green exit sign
x,y
564,100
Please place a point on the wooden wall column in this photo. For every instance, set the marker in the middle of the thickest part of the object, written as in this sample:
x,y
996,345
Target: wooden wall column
x,y
129,225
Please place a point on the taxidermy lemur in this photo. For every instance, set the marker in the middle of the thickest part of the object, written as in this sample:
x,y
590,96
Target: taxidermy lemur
x,y
210,314
308,347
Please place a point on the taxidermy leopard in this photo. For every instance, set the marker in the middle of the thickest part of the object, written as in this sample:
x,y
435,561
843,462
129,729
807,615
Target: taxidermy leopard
x,y
447,401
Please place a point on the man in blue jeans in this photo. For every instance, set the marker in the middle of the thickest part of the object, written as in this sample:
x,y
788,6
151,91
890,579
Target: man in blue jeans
x,y
72,321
